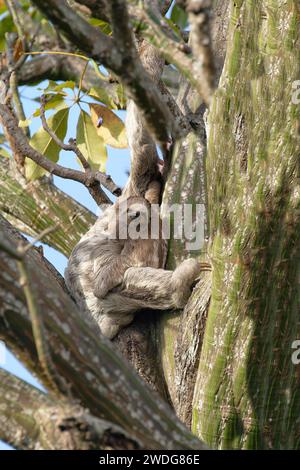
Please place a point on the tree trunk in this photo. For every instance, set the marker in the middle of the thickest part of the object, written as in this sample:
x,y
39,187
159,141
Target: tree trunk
x,y
239,388
225,362
70,356
247,389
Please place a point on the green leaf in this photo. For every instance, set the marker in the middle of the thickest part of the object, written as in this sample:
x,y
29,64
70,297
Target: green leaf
x,y
4,153
3,7
103,25
101,95
50,87
90,143
55,102
44,143
6,26
68,84
174,27
58,87
111,129
179,17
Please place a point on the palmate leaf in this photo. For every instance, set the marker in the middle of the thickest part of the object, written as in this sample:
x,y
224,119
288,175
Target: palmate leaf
x,y
101,95
58,87
90,143
55,101
44,143
109,126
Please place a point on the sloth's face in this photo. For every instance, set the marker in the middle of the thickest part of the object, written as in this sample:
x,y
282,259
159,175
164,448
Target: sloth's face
x,y
134,213
134,208
137,211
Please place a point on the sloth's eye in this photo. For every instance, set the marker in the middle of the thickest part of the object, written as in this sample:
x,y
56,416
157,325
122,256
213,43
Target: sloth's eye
x,y
133,214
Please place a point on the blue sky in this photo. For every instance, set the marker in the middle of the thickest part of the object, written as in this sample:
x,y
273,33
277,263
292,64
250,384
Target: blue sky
x,y
117,166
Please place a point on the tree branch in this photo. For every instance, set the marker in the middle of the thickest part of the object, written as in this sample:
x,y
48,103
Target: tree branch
x,y
123,62
98,8
200,12
20,145
32,420
94,372
176,52
33,207
181,120
38,329
71,147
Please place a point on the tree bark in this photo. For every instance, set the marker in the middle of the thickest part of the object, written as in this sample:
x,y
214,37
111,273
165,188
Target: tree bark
x,y
224,363
32,420
247,389
176,338
36,206
83,365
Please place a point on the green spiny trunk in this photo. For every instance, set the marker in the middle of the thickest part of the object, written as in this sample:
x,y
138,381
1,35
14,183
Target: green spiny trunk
x,y
247,390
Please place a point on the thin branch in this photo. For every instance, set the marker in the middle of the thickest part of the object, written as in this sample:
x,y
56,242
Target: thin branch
x,y
157,31
33,309
200,12
92,177
11,41
38,238
71,147
124,63
107,182
14,12
17,64
38,330
19,144
81,79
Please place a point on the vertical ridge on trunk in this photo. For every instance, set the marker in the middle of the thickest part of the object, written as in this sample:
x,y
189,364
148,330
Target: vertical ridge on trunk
x,y
247,385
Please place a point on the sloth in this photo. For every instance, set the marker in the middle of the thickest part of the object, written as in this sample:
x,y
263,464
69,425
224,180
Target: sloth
x,y
112,275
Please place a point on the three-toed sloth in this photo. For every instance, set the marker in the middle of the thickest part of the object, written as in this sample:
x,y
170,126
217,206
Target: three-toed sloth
x,y
112,275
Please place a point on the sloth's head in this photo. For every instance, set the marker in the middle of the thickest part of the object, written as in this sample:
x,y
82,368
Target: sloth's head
x,y
133,218
133,208
133,214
